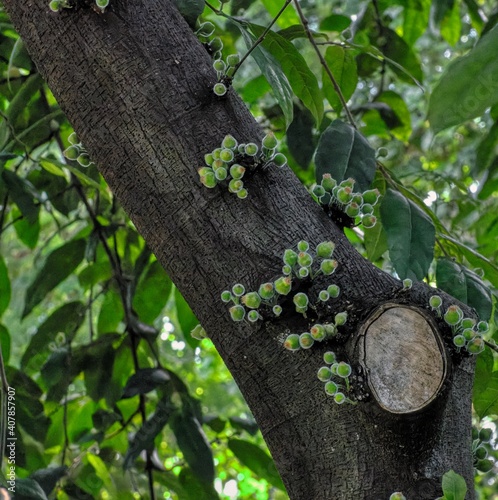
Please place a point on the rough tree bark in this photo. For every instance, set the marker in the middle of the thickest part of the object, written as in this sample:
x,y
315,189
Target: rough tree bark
x,y
135,83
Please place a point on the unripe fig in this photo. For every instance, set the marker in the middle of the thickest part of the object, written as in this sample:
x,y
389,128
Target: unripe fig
x,y
220,89
328,266
280,160
453,315
334,291
238,290
277,310
318,332
233,59
324,374
357,198
366,208
266,291
252,300
226,296
325,249
237,171
235,185
205,29
219,65
216,45
304,259
407,283
485,435
435,301
324,295
330,330
459,340
287,270
328,182
331,388
270,141
226,155
306,340
352,210
242,193
468,333
303,272
329,357
204,170
209,180
349,182
216,153
290,257
475,433
198,333
72,152
371,196
476,345
208,159
251,149
397,496
340,398
468,323
368,221
343,370
253,316
482,327
341,318
221,174
283,285
303,246
301,300
54,5
318,191
485,465
229,142
237,312
481,453
344,195
292,342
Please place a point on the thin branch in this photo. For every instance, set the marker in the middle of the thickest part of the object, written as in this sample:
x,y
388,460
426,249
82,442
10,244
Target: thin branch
x,y
323,62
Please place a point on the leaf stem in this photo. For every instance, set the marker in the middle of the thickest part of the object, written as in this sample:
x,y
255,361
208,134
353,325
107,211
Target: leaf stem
x,y
323,62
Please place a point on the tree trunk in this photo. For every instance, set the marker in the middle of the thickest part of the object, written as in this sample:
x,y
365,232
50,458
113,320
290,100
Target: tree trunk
x,y
136,85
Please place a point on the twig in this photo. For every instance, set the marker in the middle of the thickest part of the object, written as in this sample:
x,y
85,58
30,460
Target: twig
x,y
323,62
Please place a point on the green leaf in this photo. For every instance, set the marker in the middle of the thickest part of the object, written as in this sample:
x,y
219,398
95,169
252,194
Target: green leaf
x,y
410,235
273,73
468,87
486,150
57,267
20,191
111,312
28,488
300,139
194,488
190,10
95,272
257,460
47,478
335,22
375,242
441,9
194,445
152,293
486,402
342,65
144,438
4,287
102,472
301,79
144,381
288,18
403,128
464,285
186,318
454,487
343,152
67,318
483,372
397,50
98,370
26,232
5,343
416,19
245,424
451,25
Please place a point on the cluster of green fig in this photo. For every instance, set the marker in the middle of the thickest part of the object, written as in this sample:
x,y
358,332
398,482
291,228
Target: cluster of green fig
x,y
467,332
335,374
357,206
76,151
57,5
300,264
231,160
480,439
317,333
